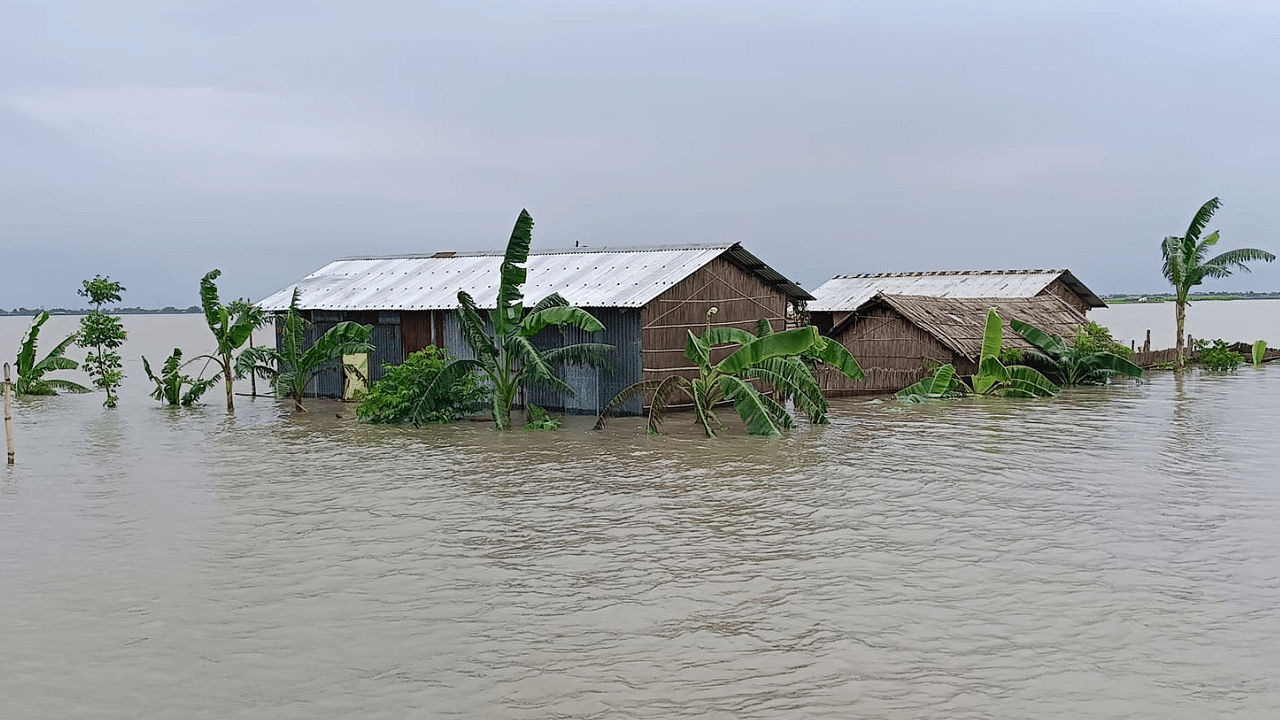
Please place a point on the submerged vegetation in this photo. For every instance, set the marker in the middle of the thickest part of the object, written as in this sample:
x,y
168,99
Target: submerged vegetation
x,y
31,373
408,393
1079,362
504,350
291,367
172,381
102,334
773,359
232,325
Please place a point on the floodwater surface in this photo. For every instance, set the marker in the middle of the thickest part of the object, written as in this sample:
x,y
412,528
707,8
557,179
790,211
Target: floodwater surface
x,y
1107,553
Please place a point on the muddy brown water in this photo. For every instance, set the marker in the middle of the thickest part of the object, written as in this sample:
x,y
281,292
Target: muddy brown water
x,y
1108,553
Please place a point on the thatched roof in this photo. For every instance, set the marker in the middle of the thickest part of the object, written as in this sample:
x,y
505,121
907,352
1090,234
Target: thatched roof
x,y
959,323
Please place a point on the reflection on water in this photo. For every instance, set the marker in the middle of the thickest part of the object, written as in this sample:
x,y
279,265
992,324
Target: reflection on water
x,y
1111,552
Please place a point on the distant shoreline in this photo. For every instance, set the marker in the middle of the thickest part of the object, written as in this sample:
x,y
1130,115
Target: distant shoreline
x,y
1122,299
168,310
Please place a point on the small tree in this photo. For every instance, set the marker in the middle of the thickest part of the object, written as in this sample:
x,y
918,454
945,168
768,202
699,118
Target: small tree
x,y
101,334
31,374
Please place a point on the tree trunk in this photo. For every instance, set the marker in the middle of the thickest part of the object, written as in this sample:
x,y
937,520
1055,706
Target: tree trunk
x,y
1180,321
226,374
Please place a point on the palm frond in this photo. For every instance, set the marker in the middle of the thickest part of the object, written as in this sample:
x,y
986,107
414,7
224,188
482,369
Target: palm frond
x,y
345,338
1232,260
1201,219
550,301
67,385
596,355
213,310
559,315
790,342
1052,345
752,407
473,327
792,379
838,356
510,308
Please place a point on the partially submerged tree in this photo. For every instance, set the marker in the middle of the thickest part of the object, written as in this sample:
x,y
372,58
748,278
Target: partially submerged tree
x,y
291,367
31,373
232,326
773,359
170,383
102,334
994,376
1186,266
1073,363
503,347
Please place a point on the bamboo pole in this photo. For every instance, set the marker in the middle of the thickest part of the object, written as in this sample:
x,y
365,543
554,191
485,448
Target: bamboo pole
x,y
8,413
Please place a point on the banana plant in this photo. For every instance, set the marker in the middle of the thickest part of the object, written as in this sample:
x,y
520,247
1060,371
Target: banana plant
x,y
1068,365
170,383
993,376
503,347
232,326
773,359
31,374
943,383
996,378
291,367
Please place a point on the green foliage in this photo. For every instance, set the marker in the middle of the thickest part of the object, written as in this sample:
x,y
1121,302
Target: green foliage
x,y
943,383
232,325
1217,355
504,349
402,395
773,359
1186,265
170,384
1078,363
1258,351
102,334
1012,356
31,374
291,367
539,419
1092,337
996,378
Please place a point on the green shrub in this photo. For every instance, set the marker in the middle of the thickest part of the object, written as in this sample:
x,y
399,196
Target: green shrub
x,y
1093,337
1217,356
403,390
539,419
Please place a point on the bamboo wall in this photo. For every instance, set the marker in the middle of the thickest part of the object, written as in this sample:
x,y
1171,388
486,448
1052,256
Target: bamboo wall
x,y
740,298
892,351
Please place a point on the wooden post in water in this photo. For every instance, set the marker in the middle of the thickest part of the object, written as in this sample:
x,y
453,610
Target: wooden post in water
x,y
1146,346
8,413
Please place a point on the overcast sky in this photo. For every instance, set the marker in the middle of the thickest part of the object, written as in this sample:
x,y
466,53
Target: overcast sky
x,y
153,140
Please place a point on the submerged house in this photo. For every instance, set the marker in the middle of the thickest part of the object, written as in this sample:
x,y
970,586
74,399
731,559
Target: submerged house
x,y
899,339
835,299
647,299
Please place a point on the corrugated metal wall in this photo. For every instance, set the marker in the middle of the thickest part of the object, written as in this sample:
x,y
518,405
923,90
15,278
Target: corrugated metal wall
x,y
593,388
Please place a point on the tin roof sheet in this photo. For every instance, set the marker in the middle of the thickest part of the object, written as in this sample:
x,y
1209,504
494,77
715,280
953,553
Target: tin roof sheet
x,y
848,292
586,277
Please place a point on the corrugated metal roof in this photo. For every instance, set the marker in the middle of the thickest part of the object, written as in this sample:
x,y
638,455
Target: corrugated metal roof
x,y
586,277
961,323
844,293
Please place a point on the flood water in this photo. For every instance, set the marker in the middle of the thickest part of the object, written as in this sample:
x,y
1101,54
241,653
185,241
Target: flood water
x,y
1107,553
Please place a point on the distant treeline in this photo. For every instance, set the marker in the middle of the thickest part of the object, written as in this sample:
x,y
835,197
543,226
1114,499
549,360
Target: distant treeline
x,y
166,310
1169,297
